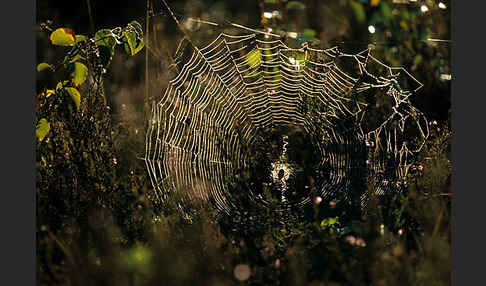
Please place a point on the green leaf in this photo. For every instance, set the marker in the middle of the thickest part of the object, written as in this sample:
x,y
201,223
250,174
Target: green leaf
x,y
254,58
47,93
75,95
137,259
133,38
105,40
307,35
105,37
295,5
297,59
359,12
80,38
137,28
75,58
42,128
328,222
43,66
63,37
132,43
324,223
386,11
418,59
62,84
396,85
79,74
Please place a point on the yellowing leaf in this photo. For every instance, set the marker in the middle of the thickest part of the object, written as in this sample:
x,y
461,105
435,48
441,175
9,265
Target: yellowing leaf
x,y
418,59
42,128
47,93
75,58
75,95
80,38
79,74
62,84
43,66
63,37
359,12
375,2
254,58
404,25
327,222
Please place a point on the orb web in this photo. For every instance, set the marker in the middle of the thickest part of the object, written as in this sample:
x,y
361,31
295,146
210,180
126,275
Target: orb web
x,y
354,111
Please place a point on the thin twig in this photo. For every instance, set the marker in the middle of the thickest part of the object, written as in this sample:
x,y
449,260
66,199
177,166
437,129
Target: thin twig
x,y
179,25
278,36
154,33
438,40
167,51
147,26
63,248
91,20
437,223
253,30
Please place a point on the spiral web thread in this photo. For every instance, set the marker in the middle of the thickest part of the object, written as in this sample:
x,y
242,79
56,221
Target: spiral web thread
x,y
237,86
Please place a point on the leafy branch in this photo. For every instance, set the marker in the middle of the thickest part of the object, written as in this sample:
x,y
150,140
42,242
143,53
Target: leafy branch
x,y
96,52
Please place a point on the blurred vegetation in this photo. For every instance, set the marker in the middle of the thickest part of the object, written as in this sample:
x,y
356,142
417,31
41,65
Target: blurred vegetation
x,y
96,221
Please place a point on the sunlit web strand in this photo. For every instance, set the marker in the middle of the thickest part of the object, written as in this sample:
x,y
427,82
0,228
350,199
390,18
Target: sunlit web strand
x,y
237,85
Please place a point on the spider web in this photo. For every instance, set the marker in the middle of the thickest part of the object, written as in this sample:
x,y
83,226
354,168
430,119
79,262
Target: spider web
x,y
356,109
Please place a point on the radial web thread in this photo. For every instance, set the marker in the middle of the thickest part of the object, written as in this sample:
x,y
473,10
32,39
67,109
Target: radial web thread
x,y
357,110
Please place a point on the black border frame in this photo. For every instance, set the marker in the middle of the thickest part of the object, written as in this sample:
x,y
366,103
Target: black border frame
x,y
468,241
18,144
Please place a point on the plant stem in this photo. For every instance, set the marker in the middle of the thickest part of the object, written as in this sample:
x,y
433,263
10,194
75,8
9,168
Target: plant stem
x,y
147,26
91,20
